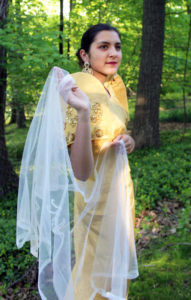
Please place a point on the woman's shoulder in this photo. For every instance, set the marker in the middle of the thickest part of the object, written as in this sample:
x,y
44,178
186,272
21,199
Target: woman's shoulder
x,y
119,86
90,85
81,77
119,89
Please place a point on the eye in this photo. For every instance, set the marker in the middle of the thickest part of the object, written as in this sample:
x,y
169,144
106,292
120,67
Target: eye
x,y
118,47
103,47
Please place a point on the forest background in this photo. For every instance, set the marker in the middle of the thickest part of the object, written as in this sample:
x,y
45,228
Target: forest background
x,y
34,37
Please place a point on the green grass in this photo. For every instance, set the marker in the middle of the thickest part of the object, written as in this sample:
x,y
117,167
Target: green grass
x,y
164,273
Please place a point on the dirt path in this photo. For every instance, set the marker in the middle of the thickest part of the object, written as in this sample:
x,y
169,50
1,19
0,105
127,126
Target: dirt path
x,y
173,126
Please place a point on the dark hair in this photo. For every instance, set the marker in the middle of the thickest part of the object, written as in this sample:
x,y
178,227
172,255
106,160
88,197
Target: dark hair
x,y
89,37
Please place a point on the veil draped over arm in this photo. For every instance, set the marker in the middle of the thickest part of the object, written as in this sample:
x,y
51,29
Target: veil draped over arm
x,y
43,216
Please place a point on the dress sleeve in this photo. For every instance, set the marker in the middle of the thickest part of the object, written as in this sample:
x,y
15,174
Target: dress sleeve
x,y
71,121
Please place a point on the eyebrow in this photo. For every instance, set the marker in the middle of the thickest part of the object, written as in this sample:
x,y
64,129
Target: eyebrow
x,y
105,42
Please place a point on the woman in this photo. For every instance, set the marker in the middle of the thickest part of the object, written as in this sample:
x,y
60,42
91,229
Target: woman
x,y
101,55
95,128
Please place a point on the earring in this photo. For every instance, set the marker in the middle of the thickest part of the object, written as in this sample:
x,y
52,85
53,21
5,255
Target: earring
x,y
87,68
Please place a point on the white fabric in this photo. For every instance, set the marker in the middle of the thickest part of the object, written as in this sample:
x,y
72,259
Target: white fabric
x,y
64,87
43,217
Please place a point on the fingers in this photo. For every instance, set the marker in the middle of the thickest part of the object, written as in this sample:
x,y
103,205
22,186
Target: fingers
x,y
129,148
59,74
74,89
128,142
117,139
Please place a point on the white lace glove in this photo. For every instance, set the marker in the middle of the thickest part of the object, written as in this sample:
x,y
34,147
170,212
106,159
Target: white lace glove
x,y
70,92
65,83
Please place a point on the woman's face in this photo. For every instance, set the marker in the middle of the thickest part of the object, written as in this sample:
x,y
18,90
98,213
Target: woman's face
x,y
105,54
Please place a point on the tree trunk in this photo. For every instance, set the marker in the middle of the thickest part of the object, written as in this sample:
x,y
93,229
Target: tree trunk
x,y
20,118
185,71
146,121
8,178
13,114
20,110
17,113
61,26
69,30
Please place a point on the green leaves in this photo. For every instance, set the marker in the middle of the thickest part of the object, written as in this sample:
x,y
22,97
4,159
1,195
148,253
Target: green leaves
x,y
164,173
12,261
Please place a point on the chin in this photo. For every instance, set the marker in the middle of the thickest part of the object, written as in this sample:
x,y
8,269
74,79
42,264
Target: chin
x,y
111,72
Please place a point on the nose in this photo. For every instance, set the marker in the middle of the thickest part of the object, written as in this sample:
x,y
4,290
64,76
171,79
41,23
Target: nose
x,y
113,51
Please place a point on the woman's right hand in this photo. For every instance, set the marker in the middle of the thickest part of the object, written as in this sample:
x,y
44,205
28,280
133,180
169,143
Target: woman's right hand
x,y
75,97
78,99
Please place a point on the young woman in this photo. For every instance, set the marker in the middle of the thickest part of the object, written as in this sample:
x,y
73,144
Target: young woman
x,y
95,120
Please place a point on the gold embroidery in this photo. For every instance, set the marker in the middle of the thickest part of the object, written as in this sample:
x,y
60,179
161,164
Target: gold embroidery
x,y
70,138
96,112
71,116
74,121
99,132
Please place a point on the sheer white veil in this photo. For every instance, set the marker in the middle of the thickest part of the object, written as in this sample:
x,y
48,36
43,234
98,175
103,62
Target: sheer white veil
x,y
43,215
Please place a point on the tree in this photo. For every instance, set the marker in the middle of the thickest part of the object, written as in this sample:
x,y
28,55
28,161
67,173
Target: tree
x,y
61,27
18,114
8,178
146,121
186,83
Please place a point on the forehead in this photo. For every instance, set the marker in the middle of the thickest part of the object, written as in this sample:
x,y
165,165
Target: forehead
x,y
107,36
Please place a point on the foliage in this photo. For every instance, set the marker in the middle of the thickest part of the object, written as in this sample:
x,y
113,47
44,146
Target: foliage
x,y
171,109
176,35
164,271
175,115
15,140
184,223
164,172
13,262
31,40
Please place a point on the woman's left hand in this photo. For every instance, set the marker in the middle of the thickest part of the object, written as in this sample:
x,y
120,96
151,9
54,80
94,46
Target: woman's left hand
x,y
128,141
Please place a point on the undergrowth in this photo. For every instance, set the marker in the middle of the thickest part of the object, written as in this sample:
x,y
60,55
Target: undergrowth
x,y
164,271
13,262
163,173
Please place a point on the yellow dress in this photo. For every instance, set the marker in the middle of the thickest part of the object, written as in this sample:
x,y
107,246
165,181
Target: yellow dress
x,y
109,117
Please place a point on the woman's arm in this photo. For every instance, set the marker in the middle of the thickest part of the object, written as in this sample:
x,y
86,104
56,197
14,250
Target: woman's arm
x,y
81,154
81,150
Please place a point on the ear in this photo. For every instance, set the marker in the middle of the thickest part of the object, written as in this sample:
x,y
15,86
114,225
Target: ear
x,y
84,55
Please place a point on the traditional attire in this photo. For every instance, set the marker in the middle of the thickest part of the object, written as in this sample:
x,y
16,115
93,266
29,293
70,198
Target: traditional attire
x,y
102,238
108,119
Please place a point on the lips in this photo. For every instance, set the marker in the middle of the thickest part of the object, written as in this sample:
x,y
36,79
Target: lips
x,y
111,63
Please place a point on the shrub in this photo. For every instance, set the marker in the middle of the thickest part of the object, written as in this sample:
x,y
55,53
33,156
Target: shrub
x,y
162,173
13,261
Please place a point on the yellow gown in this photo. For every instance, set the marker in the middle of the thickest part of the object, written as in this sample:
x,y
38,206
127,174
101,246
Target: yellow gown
x,y
109,117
